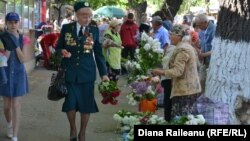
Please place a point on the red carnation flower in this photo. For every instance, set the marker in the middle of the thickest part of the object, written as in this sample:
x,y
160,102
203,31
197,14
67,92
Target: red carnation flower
x,y
104,94
115,93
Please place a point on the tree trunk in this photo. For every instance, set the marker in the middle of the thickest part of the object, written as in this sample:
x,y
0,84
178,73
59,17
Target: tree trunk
x,y
171,7
139,9
229,71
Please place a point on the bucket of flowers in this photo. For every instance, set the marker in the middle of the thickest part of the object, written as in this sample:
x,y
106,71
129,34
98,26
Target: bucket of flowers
x,y
109,91
143,92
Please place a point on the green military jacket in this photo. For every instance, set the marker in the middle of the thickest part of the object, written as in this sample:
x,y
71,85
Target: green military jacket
x,y
80,67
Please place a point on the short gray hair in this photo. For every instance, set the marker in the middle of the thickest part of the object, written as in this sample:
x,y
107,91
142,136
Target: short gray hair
x,y
201,18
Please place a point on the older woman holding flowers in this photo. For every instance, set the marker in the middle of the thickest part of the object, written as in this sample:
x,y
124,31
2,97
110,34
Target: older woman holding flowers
x,y
112,48
183,71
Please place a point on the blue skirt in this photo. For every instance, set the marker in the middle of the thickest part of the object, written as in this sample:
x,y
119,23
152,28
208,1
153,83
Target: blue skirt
x,y
80,98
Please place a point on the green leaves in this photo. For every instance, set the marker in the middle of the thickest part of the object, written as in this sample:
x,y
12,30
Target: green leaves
x,y
108,87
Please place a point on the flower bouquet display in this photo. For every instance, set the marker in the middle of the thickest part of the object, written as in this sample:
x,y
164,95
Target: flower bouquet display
x,y
148,56
188,120
109,92
128,119
143,92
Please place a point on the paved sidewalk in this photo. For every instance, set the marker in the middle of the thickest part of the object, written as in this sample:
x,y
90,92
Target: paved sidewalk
x,y
42,120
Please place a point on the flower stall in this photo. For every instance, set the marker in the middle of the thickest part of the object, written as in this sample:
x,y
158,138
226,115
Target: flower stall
x,y
148,56
128,119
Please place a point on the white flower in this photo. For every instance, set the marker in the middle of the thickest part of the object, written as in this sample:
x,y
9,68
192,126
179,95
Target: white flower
x,y
144,36
161,120
200,116
125,120
190,117
154,117
158,44
130,135
159,51
137,51
132,102
191,122
152,121
155,41
150,41
137,66
117,117
147,47
155,47
125,128
201,119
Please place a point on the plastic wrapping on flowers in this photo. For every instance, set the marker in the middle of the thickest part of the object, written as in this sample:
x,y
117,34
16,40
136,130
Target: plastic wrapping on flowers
x,y
109,91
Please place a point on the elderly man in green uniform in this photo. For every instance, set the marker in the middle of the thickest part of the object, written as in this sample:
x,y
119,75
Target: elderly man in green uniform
x,y
79,45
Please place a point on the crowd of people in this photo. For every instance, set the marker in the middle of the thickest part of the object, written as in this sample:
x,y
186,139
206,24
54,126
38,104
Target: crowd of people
x,y
187,51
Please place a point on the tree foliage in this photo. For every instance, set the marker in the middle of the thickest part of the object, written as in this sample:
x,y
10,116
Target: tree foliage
x,y
186,5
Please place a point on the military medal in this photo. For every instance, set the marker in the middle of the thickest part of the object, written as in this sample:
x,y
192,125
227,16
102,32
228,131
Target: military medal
x,y
88,45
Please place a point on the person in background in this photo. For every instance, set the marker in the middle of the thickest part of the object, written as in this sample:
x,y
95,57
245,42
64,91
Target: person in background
x,y
112,47
93,23
160,33
182,69
166,22
207,34
81,57
124,19
3,64
17,85
144,26
129,33
67,20
186,20
166,83
102,28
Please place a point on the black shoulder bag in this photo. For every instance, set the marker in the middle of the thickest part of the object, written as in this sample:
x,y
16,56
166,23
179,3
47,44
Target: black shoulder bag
x,y
57,89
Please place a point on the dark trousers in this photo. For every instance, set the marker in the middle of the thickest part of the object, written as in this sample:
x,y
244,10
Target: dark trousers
x,y
129,52
167,85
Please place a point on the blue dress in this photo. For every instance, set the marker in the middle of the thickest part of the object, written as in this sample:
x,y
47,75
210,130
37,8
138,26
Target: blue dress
x,y
17,82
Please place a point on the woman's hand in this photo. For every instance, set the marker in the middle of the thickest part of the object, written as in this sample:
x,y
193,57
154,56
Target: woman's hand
x,y
105,78
157,71
65,53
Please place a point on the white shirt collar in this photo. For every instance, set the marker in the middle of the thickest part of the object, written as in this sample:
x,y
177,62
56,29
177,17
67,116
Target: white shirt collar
x,y
78,27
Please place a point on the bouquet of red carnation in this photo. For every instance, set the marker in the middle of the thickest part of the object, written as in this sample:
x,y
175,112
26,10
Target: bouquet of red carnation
x,y
109,92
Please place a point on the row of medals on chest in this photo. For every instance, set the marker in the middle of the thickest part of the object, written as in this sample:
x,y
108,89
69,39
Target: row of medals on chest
x,y
87,46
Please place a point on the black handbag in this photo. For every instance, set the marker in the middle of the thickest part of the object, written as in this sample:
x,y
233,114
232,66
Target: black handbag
x,y
57,89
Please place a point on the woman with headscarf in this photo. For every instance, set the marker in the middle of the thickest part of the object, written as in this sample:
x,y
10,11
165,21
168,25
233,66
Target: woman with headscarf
x,y
183,71
112,49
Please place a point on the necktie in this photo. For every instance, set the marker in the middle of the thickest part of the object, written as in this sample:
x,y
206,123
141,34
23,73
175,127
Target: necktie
x,y
80,33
